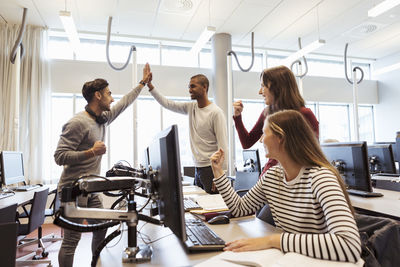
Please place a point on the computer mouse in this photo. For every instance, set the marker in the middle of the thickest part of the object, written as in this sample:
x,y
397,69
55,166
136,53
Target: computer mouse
x,y
220,219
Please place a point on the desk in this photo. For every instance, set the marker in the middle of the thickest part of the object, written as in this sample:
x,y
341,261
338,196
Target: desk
x,y
23,198
169,251
386,206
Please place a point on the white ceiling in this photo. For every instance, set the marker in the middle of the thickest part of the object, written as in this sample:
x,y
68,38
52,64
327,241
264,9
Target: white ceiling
x,y
277,23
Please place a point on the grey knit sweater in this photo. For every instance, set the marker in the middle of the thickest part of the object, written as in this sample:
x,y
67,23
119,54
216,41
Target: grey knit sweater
x,y
79,134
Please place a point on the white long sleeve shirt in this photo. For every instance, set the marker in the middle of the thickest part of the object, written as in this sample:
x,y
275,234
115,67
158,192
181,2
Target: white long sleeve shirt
x,y
207,128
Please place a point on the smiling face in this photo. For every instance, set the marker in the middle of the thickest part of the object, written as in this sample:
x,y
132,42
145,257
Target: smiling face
x,y
266,93
271,142
105,99
196,89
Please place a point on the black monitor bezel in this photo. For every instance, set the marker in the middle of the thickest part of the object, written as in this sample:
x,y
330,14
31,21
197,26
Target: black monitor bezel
x,y
362,165
164,157
383,149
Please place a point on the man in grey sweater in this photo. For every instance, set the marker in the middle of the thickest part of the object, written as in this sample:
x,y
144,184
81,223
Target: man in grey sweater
x,y
81,147
207,127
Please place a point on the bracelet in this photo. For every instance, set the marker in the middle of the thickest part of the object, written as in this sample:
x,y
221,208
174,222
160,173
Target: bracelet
x,y
142,83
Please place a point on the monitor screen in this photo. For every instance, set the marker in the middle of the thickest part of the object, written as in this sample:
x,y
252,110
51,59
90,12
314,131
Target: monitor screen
x,y
12,167
351,159
164,157
381,159
251,160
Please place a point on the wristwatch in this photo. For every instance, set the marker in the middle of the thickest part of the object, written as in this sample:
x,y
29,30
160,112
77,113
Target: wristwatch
x,y
142,83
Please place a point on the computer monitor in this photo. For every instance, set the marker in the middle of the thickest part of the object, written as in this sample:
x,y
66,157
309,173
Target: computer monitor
x,y
397,148
12,167
351,159
251,160
381,159
164,157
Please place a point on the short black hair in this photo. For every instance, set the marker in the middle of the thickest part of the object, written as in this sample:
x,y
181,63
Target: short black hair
x,y
89,88
202,79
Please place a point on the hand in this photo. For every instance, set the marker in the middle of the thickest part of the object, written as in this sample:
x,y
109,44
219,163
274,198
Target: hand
x,y
213,187
217,159
270,241
149,84
99,148
237,108
147,75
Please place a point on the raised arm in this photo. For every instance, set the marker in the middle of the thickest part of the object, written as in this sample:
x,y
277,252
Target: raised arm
x,y
239,206
248,139
128,99
180,107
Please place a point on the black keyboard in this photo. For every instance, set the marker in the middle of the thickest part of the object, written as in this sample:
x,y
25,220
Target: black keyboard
x,y
6,194
364,193
200,235
190,204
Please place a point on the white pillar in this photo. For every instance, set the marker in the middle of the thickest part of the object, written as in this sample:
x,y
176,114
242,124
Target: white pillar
x,y
221,44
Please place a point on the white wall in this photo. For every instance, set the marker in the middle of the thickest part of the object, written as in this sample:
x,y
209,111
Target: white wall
x,y
69,76
388,110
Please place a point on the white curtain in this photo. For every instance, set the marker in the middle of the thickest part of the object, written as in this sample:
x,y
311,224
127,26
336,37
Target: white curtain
x,y
34,99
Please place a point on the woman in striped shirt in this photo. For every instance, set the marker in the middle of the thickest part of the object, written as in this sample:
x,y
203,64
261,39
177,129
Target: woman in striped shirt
x,y
305,192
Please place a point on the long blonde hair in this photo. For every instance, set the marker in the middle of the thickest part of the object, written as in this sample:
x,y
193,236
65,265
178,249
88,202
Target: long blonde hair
x,y
300,143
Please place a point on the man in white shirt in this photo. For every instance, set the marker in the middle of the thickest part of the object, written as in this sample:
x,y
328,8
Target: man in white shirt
x,y
207,127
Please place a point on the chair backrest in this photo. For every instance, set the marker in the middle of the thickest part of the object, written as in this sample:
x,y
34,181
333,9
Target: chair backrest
x,y
245,180
36,214
8,213
8,243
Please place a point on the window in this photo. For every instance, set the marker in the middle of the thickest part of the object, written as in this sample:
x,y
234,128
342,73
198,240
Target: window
x,y
366,122
334,122
59,48
148,123
251,113
178,56
62,111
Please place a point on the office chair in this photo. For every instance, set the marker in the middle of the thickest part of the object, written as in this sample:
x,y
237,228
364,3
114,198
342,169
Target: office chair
x,y
35,220
8,233
54,206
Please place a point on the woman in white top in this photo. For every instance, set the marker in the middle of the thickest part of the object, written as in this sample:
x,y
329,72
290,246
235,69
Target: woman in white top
x,y
305,192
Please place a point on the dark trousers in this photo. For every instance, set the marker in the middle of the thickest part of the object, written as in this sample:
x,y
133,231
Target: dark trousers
x,y
71,238
203,177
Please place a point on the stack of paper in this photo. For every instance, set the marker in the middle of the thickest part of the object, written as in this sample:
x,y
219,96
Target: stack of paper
x,y
271,258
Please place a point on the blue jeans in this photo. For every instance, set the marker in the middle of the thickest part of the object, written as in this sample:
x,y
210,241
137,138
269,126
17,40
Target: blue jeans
x,y
71,238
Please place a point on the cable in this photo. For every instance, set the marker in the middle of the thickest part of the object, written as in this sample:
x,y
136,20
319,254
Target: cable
x,y
100,247
133,48
64,223
252,55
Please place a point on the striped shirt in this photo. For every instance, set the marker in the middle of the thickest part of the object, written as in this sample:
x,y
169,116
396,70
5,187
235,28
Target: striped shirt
x,y
310,209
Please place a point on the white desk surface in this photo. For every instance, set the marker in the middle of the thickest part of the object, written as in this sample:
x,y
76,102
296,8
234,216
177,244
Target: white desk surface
x,y
22,198
388,204
169,251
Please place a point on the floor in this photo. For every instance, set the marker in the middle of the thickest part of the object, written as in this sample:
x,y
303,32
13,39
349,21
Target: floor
x,y
83,252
